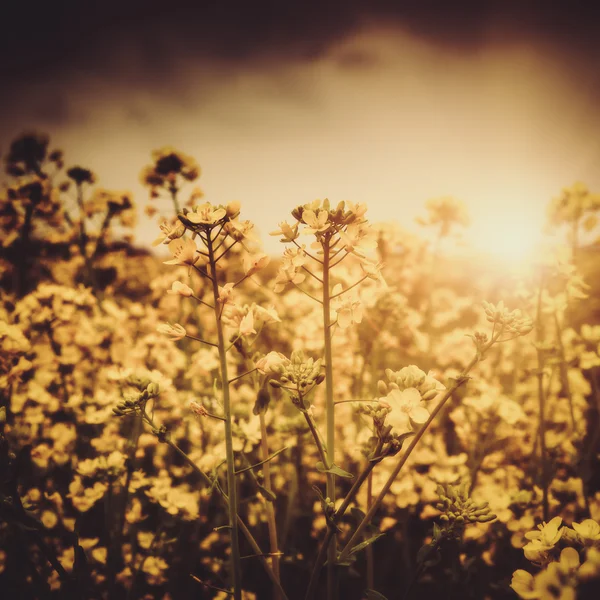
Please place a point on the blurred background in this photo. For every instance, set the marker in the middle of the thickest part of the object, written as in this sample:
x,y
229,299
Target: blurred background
x,y
387,103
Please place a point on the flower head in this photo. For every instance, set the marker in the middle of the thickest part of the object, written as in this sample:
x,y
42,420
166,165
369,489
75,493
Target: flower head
x,y
175,332
407,408
180,289
184,252
346,307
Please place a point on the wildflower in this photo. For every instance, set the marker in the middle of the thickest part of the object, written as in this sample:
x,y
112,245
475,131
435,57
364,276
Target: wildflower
x,y
543,540
206,214
523,584
198,409
239,230
184,252
287,274
406,408
247,324
359,240
588,531
289,232
373,271
169,233
590,569
272,363
180,289
175,332
263,316
233,209
346,307
253,264
226,293
318,222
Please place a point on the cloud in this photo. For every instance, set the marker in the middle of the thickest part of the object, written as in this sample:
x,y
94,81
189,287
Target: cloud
x,y
383,116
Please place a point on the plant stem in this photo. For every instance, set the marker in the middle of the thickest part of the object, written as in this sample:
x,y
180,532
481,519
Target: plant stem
x,y
462,378
542,402
242,526
564,370
236,566
369,548
271,522
339,513
330,410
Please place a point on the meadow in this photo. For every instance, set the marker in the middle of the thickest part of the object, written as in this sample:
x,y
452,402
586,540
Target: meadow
x,y
361,417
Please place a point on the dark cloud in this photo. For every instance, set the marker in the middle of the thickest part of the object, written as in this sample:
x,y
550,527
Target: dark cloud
x,y
42,36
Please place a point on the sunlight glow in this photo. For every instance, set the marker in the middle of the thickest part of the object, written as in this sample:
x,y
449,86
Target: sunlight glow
x,y
509,239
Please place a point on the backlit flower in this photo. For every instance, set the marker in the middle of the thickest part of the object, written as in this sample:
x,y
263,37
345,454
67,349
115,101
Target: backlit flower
x,y
206,214
184,252
318,222
175,332
407,408
346,307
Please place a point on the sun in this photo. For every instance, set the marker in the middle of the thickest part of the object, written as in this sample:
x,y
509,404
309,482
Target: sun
x,y
508,238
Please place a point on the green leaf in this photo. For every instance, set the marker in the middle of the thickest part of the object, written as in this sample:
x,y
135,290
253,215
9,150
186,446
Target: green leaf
x,y
366,543
373,595
334,469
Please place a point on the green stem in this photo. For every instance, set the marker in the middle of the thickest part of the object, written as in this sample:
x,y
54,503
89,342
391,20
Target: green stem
x,y
542,403
270,510
564,370
330,409
369,548
247,533
462,378
317,437
236,566
337,517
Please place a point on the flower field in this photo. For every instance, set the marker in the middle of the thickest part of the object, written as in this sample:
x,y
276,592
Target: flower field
x,y
363,416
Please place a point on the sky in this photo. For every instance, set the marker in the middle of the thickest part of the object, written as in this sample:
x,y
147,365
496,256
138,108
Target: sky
x,y
281,103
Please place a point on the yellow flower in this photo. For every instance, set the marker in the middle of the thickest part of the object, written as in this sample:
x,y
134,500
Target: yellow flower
x,y
206,214
543,540
317,222
289,232
272,363
287,274
180,289
523,584
247,324
345,306
548,534
253,264
184,252
226,293
359,240
175,332
588,531
169,233
406,408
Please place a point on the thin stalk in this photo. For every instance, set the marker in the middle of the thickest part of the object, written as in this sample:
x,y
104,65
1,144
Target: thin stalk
x,y
330,410
337,517
174,198
242,526
462,378
236,566
271,522
369,548
542,404
564,371
317,437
